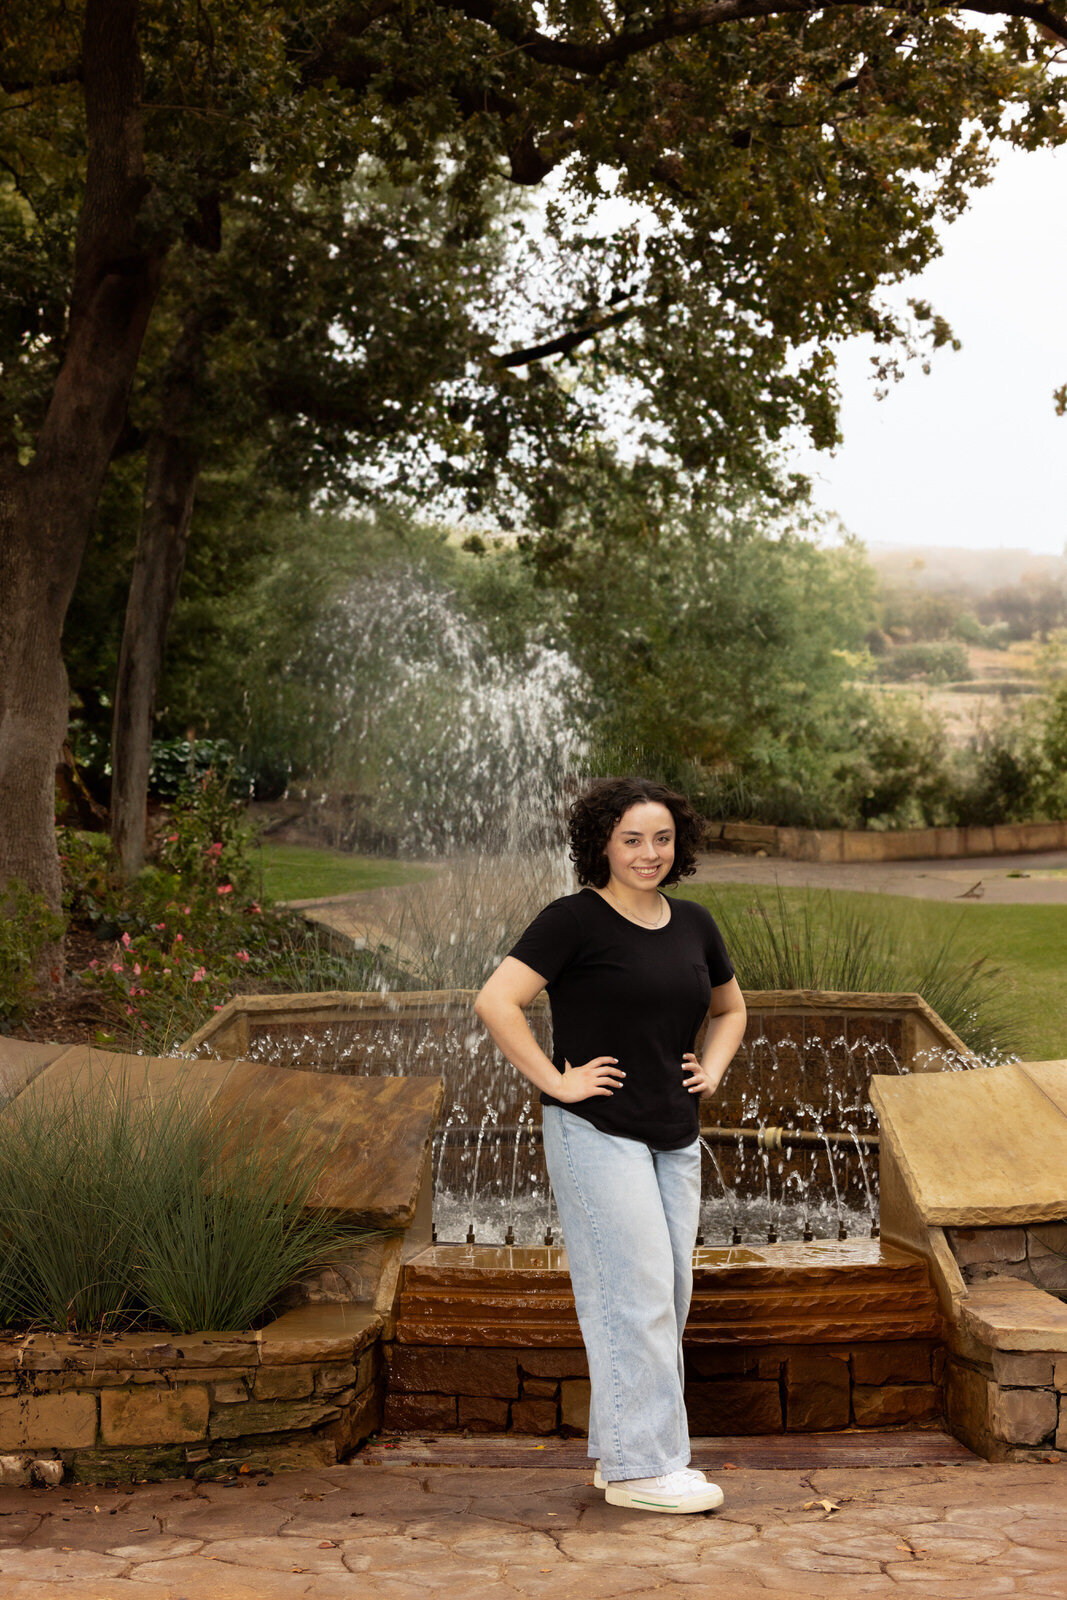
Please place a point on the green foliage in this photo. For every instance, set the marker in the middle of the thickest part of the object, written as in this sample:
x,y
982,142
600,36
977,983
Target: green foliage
x,y
27,927
826,942
939,661
117,1210
178,764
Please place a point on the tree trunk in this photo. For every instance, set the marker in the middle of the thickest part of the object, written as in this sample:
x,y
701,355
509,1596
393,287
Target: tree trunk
x,y
47,506
171,475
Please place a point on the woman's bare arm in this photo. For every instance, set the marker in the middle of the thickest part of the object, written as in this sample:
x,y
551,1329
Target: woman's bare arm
x,y
502,1004
726,1029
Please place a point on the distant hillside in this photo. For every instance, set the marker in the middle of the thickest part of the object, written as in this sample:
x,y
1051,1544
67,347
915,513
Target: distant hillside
x,y
943,569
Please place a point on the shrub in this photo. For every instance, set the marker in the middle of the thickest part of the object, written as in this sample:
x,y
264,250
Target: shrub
x,y
941,661
178,764
28,926
117,1209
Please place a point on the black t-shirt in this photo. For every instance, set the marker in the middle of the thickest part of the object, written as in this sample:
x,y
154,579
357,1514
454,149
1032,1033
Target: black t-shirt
x,y
641,994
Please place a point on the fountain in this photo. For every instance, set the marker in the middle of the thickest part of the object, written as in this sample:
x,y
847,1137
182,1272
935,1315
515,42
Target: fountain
x,y
798,1308
786,1144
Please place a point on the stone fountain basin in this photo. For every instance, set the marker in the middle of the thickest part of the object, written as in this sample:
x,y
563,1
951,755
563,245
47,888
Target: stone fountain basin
x,y
807,1058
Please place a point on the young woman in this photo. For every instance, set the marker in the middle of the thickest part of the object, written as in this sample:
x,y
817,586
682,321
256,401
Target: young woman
x,y
630,977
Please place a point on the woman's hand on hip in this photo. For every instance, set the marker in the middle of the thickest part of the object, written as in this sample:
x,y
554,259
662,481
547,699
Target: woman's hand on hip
x,y
602,1075
697,1081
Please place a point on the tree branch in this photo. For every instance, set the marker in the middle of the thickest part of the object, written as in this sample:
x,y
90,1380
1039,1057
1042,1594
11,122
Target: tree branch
x,y
590,60
565,342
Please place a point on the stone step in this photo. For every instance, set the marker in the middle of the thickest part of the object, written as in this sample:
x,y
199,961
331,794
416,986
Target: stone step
x,y
828,1291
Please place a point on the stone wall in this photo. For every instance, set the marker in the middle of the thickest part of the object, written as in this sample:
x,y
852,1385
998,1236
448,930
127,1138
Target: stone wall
x,y
755,1389
1035,1253
305,1390
901,844
1007,1371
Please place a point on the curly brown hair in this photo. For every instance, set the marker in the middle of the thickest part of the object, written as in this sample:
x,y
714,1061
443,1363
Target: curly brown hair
x,y
592,818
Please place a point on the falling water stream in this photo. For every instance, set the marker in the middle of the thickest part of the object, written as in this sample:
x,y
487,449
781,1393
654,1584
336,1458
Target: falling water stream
x,y
469,755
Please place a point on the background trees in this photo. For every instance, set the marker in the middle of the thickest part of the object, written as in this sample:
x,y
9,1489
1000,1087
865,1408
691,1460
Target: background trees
x,y
782,166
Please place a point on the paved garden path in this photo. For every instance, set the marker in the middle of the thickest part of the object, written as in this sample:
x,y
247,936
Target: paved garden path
x,y
1002,880
373,1532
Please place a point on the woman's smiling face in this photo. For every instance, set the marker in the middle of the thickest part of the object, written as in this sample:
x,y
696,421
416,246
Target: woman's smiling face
x,y
640,851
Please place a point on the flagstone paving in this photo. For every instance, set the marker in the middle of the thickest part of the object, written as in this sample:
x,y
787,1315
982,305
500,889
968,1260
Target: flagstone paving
x,y
372,1532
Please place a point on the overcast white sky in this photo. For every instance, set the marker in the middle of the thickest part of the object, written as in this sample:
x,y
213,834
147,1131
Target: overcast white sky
x,y
973,455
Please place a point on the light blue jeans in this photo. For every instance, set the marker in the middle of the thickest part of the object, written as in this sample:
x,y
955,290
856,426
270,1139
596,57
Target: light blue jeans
x,y
629,1217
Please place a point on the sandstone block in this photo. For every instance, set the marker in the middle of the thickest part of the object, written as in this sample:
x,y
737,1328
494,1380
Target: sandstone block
x,y
769,1364
14,1470
895,1361
985,1246
420,1369
142,1415
1023,1369
270,1416
554,1363
128,1466
1053,1235
540,1389
1048,1264
720,1361
1061,1373
430,1411
230,1392
60,1382
893,1405
40,1422
574,1404
1024,1416
485,1415
817,1392
729,1406
284,1383
969,1405
339,1375
356,1422
533,1416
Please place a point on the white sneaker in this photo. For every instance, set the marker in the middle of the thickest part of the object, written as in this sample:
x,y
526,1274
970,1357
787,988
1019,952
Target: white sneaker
x,y
600,1482
675,1493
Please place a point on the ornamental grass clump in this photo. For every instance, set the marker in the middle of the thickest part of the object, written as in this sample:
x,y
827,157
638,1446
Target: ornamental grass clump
x,y
120,1210
824,943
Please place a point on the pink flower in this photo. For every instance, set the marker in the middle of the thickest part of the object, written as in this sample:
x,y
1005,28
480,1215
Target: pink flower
x,y
137,969
93,965
243,955
199,975
159,927
129,1011
178,937
224,888
166,972
216,1008
116,966
172,838
255,906
126,941
186,910
213,850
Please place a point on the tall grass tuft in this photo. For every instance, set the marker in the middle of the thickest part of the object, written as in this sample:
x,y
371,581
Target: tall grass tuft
x,y
120,1210
826,943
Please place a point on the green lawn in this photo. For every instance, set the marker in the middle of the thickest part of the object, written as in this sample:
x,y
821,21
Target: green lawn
x,y
1029,943
300,872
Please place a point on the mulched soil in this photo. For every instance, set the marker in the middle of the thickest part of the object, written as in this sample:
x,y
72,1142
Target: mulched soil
x,y
75,1014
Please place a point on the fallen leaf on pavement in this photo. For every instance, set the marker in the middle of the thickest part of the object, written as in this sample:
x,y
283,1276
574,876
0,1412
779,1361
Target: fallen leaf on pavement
x,y
827,1505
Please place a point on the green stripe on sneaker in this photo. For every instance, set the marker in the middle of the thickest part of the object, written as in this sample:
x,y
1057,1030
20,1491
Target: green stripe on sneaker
x,y
672,1505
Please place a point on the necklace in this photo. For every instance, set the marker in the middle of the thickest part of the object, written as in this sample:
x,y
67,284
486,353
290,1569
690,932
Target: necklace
x,y
633,914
